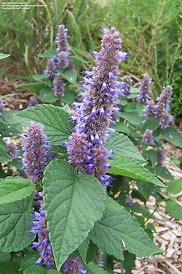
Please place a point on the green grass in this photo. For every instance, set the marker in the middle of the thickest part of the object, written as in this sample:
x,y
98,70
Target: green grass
x,y
151,32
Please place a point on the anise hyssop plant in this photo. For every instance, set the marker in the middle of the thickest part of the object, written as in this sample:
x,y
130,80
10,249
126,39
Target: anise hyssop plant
x,y
74,186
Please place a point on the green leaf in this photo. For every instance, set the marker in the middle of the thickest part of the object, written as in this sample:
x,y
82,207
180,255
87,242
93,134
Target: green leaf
x,y
40,270
134,93
150,155
83,248
162,172
150,123
132,118
78,59
92,252
129,262
145,189
15,224
173,136
118,226
137,208
29,266
32,86
69,75
134,169
175,186
9,125
3,55
39,77
120,127
50,53
69,96
4,257
73,203
174,209
47,95
4,156
10,268
123,146
29,259
56,121
15,188
95,269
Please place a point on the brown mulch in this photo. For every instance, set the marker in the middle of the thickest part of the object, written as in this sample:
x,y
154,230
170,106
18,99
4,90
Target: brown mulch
x,y
168,237
15,98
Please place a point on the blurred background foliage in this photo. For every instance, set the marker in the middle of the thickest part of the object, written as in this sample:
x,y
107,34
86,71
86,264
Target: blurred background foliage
x,y
151,32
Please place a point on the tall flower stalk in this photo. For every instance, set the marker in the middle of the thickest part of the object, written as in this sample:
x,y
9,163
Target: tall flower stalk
x,y
144,89
61,61
35,159
35,152
160,108
62,48
94,114
39,228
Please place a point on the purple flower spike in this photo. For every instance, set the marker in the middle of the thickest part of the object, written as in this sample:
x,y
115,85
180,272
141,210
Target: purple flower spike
x,y
39,228
159,108
94,113
150,109
148,138
144,88
50,69
163,101
62,51
74,266
58,85
62,60
61,38
35,152
126,86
